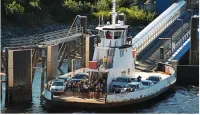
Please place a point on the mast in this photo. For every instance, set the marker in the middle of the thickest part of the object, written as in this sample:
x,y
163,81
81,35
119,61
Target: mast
x,y
114,13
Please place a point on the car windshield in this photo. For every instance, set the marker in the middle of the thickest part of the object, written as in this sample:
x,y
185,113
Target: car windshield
x,y
145,83
79,76
153,78
134,79
130,86
63,79
57,84
121,80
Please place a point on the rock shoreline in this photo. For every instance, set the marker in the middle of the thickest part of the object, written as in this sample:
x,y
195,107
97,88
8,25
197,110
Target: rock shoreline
x,y
11,31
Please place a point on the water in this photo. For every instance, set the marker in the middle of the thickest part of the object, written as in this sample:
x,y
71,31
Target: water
x,y
185,99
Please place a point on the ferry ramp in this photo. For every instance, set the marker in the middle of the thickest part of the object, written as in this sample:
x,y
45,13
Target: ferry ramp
x,y
178,33
185,45
49,38
151,33
170,30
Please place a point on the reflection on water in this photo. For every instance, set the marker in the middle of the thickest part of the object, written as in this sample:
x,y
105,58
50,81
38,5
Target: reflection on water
x,y
182,100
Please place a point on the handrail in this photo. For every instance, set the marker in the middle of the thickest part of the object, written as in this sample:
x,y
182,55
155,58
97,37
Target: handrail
x,y
158,30
178,44
73,23
34,40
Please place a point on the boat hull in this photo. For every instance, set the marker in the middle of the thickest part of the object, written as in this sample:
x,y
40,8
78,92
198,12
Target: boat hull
x,y
55,103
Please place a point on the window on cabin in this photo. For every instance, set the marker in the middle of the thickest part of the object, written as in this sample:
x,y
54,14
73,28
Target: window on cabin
x,y
117,35
101,34
124,34
121,52
109,35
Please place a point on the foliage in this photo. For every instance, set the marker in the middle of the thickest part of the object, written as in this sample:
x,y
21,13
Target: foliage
x,y
102,9
105,14
35,11
102,5
14,8
35,4
134,15
72,5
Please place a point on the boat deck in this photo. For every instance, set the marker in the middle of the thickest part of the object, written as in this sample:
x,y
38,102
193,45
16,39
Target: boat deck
x,y
90,97
93,98
83,100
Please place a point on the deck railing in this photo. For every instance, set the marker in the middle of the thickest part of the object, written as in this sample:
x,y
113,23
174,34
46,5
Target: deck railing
x,y
177,45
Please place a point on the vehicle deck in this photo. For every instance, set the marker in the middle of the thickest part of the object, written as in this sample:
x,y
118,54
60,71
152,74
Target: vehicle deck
x,y
138,72
91,97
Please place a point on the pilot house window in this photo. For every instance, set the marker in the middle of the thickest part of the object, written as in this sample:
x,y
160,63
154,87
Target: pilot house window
x,y
117,35
101,34
109,35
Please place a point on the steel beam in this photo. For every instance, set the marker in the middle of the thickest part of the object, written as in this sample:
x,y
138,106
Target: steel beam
x,y
62,56
35,59
3,61
62,40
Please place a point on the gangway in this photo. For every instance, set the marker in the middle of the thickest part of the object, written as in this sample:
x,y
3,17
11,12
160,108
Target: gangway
x,y
152,55
149,34
184,44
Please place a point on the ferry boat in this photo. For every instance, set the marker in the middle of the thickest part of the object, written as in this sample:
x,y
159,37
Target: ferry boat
x,y
113,72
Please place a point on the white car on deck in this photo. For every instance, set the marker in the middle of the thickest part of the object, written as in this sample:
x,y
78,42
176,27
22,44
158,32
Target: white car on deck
x,y
67,80
147,83
58,86
133,86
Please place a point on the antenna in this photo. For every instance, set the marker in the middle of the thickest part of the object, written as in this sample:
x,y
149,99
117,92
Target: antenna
x,y
99,20
114,13
102,21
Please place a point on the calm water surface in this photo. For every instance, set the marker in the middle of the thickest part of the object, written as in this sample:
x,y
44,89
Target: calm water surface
x,y
185,99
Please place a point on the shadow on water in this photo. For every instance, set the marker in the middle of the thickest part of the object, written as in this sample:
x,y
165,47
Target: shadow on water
x,y
17,108
23,108
133,108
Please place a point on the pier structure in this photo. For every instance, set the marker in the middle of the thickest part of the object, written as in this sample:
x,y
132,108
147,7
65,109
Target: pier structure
x,y
18,75
19,60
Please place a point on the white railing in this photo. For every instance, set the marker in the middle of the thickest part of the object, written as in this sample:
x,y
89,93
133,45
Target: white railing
x,y
177,45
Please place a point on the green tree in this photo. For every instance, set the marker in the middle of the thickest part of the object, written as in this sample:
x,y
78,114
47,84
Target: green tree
x,y
102,9
14,8
134,15
73,5
35,4
102,5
